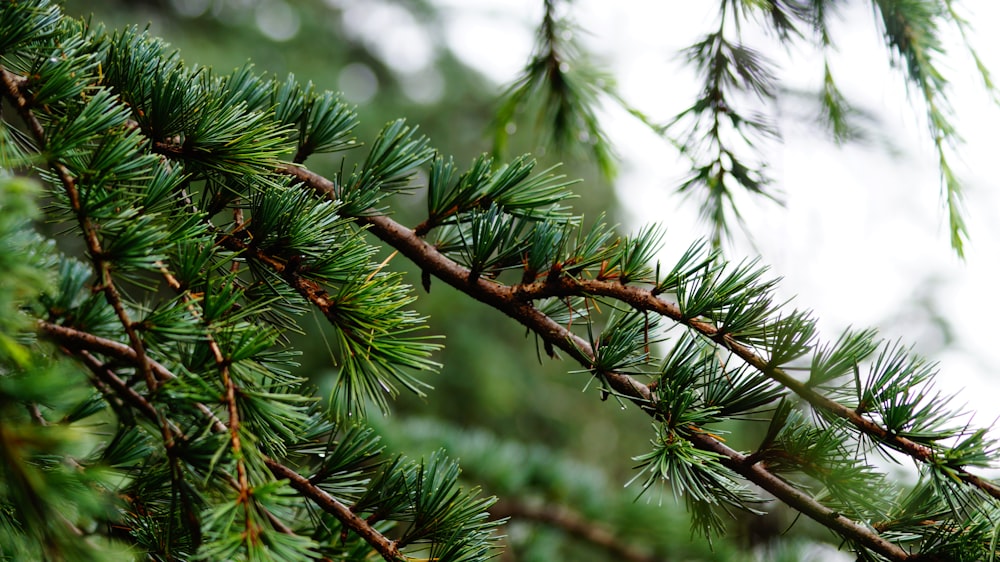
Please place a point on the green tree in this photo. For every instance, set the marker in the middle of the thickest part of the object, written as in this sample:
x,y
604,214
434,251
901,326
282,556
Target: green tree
x,y
150,396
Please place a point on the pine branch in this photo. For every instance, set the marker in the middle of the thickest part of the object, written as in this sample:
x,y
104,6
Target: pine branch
x,y
229,398
494,294
79,343
912,32
718,132
646,299
515,302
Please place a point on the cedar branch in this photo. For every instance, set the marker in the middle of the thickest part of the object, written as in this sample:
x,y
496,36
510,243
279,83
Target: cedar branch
x,y
511,301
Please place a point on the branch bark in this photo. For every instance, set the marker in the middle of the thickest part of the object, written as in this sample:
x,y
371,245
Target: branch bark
x,y
644,299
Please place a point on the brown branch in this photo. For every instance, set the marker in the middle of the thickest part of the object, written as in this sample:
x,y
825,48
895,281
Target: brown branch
x,y
506,300
112,382
287,269
573,524
12,88
385,547
229,398
645,300
494,294
75,341
515,303
118,387
757,473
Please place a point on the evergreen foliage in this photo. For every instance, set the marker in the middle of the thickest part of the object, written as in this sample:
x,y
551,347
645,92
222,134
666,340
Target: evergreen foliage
x,y
150,400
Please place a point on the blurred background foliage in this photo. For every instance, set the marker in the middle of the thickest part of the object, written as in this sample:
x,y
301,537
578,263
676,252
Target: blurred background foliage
x,y
521,426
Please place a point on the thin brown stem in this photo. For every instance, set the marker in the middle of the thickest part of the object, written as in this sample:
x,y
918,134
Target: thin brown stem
x,y
386,548
109,380
508,301
645,300
232,407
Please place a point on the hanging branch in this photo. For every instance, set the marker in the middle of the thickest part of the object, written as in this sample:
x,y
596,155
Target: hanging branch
x,y
717,134
912,32
559,93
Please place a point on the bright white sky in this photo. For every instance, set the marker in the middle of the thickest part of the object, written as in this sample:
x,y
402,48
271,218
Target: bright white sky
x,y
864,231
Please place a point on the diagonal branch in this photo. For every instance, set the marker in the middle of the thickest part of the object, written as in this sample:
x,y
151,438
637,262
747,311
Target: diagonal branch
x,y
644,299
516,304
78,342
387,548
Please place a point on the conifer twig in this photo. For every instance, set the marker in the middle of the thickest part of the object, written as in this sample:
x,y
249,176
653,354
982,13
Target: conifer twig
x,y
229,398
644,299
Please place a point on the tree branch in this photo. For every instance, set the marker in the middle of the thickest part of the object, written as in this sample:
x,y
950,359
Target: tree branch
x,y
516,304
646,300
75,340
386,548
494,294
